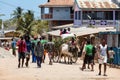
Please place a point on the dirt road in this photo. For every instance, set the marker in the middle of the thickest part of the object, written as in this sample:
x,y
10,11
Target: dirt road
x,y
58,71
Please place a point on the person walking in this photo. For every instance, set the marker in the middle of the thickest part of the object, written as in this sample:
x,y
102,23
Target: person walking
x,y
89,51
34,43
43,42
50,49
13,45
33,53
28,49
39,50
82,51
103,56
21,51
111,53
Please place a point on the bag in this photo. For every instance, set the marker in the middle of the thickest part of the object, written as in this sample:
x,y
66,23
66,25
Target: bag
x,y
27,54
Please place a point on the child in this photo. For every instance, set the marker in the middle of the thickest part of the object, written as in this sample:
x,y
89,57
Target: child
x,y
111,56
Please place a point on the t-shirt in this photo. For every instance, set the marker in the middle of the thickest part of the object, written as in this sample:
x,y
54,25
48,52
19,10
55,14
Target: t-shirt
x,y
89,49
13,44
43,41
28,45
21,46
111,53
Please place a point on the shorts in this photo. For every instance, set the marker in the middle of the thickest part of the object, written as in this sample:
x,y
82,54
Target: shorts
x,y
88,59
111,60
21,55
102,60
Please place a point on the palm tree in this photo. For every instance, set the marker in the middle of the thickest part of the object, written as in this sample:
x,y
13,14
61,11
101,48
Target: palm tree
x,y
17,13
26,24
28,20
22,20
17,17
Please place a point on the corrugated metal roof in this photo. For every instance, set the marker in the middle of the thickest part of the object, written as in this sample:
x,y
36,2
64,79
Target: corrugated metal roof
x,y
96,4
56,3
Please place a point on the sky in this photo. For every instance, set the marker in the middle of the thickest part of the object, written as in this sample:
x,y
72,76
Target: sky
x,y
8,6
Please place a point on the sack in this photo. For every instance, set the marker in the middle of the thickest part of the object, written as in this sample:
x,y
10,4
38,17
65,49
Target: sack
x,y
27,54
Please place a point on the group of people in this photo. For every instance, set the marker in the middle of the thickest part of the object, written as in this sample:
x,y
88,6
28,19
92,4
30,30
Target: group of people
x,y
89,50
36,47
40,47
65,31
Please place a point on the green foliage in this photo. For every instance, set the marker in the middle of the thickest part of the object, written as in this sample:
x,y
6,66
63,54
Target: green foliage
x,y
26,24
5,23
58,42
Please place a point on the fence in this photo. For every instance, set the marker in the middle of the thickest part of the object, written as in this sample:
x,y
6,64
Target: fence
x,y
117,56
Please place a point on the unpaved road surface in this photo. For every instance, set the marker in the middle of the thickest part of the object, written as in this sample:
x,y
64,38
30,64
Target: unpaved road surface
x,y
57,71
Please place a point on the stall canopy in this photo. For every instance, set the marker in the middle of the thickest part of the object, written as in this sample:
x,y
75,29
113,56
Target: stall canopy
x,y
83,31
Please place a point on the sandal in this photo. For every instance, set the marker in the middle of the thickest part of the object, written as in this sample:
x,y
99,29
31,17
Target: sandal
x,y
104,75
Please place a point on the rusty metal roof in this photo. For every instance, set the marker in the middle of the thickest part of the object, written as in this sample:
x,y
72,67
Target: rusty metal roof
x,y
56,3
96,4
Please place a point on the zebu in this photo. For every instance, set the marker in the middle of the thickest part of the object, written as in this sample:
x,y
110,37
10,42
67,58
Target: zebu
x,y
65,51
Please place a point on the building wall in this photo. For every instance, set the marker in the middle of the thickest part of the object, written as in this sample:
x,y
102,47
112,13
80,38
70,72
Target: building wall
x,y
62,13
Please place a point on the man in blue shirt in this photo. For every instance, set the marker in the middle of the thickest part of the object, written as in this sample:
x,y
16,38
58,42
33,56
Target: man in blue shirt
x,y
13,45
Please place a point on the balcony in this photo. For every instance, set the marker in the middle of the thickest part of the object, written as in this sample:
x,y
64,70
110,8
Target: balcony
x,y
46,16
72,16
50,16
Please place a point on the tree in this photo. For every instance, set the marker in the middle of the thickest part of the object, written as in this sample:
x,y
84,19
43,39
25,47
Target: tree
x,y
17,17
39,27
23,21
17,13
26,23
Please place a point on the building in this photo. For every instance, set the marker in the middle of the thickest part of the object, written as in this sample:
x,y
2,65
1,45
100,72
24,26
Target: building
x,y
96,12
57,12
116,1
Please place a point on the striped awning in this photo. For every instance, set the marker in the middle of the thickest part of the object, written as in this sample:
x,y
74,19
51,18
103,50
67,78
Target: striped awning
x,y
95,4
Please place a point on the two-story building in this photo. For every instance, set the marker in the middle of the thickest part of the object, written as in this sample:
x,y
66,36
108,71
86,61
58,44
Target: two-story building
x,y
96,12
57,12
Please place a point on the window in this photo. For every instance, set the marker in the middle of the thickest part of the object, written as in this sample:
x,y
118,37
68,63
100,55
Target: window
x,y
71,10
75,15
117,15
57,10
98,15
108,15
86,15
79,15
66,10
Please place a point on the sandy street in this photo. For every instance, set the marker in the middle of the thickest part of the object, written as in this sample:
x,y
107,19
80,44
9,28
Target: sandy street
x,y
58,71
